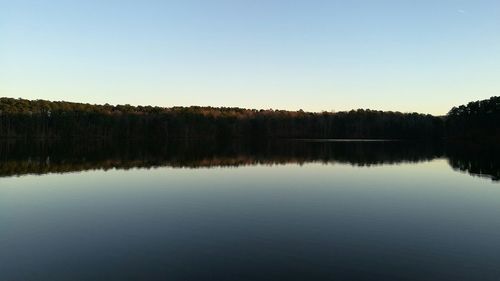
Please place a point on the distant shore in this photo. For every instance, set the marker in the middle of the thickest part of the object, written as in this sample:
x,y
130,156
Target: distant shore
x,y
30,119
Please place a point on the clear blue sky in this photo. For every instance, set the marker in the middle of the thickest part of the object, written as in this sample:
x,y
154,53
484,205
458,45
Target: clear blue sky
x,y
423,56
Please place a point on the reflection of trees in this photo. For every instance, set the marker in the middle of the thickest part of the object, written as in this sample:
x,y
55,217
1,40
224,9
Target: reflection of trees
x,y
45,157
476,159
18,158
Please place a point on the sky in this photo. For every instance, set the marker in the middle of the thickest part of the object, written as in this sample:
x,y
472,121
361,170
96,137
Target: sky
x,y
411,56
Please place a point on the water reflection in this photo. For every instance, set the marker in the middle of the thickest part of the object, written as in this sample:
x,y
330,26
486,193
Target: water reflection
x,y
418,221
31,157
475,159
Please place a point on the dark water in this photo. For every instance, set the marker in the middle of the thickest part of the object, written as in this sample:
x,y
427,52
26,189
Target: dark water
x,y
232,211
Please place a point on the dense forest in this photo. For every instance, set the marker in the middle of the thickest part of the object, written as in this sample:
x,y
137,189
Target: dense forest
x,y
45,119
476,120
28,119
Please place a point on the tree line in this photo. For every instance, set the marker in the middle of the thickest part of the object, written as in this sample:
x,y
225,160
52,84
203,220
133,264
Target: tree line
x,y
475,120
22,118
45,119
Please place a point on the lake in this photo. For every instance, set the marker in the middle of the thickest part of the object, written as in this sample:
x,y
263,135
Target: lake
x,y
281,210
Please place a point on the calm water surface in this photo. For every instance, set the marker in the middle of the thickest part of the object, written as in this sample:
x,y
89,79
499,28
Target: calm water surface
x,y
335,211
